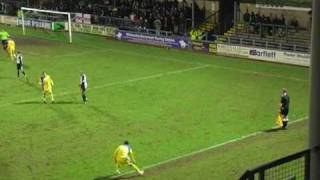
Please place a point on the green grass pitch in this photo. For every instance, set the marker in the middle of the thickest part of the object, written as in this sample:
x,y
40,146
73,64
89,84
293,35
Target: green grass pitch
x,y
165,102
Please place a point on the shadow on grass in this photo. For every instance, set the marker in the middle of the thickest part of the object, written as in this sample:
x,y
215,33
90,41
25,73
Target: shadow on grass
x,y
104,112
274,130
28,83
68,102
116,177
40,102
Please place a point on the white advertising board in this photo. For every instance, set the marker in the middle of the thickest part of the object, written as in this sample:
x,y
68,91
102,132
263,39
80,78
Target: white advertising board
x,y
11,20
294,58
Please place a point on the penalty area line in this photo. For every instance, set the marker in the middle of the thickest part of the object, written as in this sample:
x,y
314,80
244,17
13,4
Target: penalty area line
x,y
118,83
205,149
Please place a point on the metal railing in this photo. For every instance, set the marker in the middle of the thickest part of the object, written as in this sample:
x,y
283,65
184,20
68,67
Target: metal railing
x,y
293,167
125,23
272,30
145,31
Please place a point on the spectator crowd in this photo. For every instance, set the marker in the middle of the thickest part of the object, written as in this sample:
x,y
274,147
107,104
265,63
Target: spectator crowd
x,y
167,15
274,25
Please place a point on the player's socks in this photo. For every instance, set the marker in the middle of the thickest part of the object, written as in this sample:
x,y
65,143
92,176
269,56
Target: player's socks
x,y
136,168
44,99
84,98
52,99
285,123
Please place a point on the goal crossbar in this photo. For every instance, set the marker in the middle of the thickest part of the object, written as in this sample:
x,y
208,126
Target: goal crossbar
x,y
47,11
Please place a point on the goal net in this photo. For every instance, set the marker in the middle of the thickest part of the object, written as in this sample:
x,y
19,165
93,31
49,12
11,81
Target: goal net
x,y
52,21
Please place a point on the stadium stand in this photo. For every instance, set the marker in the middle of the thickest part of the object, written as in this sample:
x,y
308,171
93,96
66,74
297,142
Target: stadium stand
x,y
165,15
268,32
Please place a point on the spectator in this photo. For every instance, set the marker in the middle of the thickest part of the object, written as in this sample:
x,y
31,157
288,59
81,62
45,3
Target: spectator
x,y
145,11
294,23
246,16
157,25
283,20
252,18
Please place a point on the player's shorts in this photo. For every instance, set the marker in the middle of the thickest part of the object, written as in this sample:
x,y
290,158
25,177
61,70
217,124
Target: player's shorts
x,y
284,112
123,161
47,91
19,67
11,50
4,42
83,87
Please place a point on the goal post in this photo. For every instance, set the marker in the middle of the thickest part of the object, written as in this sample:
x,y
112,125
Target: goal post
x,y
24,9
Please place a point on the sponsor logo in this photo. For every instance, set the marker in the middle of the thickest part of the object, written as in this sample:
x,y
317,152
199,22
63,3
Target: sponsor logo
x,y
183,44
178,42
119,35
263,53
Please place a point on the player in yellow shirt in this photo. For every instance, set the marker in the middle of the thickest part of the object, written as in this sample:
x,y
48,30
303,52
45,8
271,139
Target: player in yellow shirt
x,y
47,84
11,48
123,155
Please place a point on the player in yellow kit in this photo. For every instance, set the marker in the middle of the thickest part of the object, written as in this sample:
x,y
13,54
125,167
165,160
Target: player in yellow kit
x,y
11,48
47,84
123,155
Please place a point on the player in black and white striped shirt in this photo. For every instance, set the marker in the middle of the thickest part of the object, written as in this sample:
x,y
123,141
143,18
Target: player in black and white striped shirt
x,y
83,86
19,61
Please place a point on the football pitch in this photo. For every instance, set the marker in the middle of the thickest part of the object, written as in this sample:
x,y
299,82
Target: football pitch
x,y
167,103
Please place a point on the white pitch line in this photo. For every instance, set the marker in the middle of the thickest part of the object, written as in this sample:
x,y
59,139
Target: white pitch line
x,y
65,55
260,73
212,65
171,59
120,82
205,149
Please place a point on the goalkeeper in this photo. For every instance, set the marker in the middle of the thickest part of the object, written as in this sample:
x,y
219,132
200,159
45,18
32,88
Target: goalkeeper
x,y
123,155
4,39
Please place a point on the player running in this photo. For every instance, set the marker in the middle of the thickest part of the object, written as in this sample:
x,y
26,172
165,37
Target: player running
x,y
11,49
19,61
47,84
123,155
83,86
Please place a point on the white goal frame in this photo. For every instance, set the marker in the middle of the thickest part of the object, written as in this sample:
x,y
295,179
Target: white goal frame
x,y
47,11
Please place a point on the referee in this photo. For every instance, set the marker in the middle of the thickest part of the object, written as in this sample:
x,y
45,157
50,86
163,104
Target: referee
x,y
83,86
284,107
19,61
